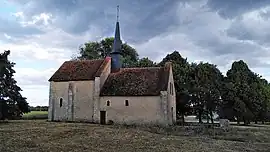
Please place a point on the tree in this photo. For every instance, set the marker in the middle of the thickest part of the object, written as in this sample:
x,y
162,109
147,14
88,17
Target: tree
x,y
12,102
183,105
246,93
182,79
99,50
3,70
260,98
205,90
239,76
145,62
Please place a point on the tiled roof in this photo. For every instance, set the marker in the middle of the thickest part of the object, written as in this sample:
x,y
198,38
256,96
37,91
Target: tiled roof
x,y
136,82
77,70
102,66
126,82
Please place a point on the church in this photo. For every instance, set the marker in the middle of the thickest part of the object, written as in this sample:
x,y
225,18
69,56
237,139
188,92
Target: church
x,y
101,91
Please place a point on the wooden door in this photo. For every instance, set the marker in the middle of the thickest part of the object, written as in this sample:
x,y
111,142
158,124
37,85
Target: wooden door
x,y
102,117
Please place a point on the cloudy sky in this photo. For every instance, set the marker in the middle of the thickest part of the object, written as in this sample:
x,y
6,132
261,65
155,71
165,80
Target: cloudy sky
x,y
41,34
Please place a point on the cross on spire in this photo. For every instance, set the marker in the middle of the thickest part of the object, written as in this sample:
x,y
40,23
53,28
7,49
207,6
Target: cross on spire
x,y
117,19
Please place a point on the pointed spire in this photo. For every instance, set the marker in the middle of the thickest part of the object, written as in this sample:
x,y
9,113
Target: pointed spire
x,y
116,52
117,39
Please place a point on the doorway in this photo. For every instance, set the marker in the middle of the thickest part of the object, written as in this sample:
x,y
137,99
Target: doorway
x,y
103,117
172,114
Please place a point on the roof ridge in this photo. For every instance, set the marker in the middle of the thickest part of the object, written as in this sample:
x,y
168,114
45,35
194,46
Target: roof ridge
x,y
143,68
77,70
83,60
102,66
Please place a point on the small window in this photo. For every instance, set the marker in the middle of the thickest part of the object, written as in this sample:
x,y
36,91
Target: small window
x,y
61,102
108,103
126,103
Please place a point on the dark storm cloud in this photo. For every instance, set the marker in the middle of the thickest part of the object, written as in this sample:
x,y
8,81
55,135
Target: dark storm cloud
x,y
143,20
258,33
265,14
140,20
233,8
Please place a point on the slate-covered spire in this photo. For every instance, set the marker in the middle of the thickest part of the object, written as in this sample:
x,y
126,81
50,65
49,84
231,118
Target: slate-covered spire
x,y
116,52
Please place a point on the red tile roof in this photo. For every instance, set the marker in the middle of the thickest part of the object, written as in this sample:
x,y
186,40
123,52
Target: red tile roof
x,y
102,66
126,82
136,82
77,70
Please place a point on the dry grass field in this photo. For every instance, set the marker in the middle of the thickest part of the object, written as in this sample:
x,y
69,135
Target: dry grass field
x,y
36,115
42,136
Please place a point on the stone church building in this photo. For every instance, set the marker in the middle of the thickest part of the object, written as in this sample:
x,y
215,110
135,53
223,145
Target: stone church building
x,y
101,91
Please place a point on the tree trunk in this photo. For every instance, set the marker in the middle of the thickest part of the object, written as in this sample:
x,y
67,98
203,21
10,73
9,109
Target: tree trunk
x,y
238,120
183,118
245,121
207,117
200,116
211,117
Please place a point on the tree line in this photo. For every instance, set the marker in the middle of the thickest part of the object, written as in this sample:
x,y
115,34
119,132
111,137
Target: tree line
x,y
201,89
39,108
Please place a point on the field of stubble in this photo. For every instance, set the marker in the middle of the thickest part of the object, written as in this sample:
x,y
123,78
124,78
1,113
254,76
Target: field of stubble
x,y
42,136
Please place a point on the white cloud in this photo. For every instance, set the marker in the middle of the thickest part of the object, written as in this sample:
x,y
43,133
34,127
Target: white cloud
x,y
34,84
30,76
44,18
32,51
7,36
19,15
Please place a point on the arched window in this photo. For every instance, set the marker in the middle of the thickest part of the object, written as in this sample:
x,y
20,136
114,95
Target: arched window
x,y
61,102
108,103
126,103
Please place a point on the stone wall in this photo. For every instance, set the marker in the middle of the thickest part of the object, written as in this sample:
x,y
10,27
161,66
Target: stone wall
x,y
82,101
99,82
141,109
171,98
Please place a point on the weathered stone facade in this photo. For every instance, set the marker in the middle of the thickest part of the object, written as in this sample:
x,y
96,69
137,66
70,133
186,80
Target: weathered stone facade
x,y
81,101
101,91
77,104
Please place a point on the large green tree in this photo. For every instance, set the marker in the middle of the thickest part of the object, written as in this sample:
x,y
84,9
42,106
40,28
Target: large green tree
x,y
205,90
245,94
182,79
12,103
145,62
103,48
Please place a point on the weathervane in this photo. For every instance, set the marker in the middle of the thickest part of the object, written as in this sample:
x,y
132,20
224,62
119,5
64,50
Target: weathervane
x,y
117,13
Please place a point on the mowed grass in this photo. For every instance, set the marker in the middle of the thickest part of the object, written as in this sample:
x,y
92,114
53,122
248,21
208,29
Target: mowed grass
x,y
36,115
42,136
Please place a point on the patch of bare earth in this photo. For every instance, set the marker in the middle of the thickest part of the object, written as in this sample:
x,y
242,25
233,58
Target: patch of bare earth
x,y
42,136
